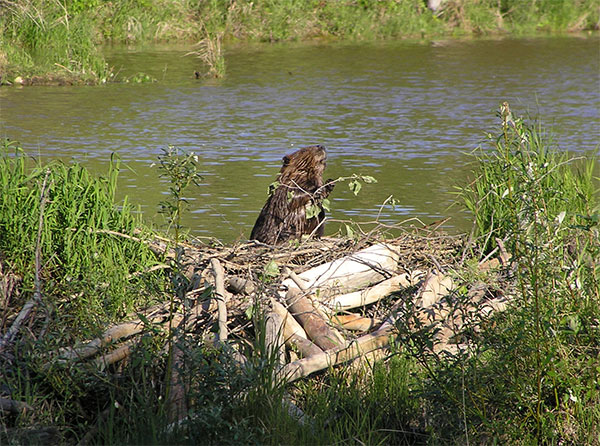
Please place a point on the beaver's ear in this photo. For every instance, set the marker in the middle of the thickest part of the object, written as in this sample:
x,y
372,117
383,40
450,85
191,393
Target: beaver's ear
x,y
286,160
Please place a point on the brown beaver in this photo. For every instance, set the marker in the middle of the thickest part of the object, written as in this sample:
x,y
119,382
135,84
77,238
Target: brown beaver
x,y
300,183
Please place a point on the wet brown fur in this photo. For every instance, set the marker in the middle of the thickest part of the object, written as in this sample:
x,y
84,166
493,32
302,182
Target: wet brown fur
x,y
282,218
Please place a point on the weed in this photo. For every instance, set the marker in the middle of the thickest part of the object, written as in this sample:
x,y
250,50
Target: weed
x,y
519,383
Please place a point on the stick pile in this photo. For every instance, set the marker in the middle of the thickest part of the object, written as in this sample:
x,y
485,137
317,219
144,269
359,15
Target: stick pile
x,y
332,301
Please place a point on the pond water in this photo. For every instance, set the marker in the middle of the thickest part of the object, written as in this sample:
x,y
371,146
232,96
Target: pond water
x,y
406,113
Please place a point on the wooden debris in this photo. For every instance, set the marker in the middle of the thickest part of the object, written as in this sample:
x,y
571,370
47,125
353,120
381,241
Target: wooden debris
x,y
350,273
355,322
239,285
306,309
315,326
373,294
220,298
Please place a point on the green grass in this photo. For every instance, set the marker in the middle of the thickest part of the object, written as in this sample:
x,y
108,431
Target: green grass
x,y
534,377
60,41
80,258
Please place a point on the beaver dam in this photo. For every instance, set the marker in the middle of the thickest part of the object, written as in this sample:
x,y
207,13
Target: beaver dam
x,y
316,304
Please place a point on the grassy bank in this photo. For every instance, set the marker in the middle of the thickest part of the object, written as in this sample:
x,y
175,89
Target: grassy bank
x,y
527,375
59,41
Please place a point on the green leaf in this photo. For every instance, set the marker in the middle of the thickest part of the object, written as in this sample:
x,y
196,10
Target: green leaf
x,y
272,187
368,179
355,186
349,231
312,210
271,269
326,204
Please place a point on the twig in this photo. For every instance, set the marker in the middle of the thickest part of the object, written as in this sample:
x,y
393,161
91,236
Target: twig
x,y
220,297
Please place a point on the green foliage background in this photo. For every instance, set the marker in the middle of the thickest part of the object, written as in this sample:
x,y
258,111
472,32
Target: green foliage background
x,y
60,40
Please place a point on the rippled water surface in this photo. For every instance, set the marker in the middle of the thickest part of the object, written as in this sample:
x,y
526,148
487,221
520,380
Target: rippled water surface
x,y
405,113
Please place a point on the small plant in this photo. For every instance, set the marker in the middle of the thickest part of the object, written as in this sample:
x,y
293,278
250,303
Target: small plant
x,y
526,367
209,51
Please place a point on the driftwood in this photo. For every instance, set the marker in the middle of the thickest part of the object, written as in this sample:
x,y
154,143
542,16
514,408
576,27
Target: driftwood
x,y
373,294
363,345
315,326
350,273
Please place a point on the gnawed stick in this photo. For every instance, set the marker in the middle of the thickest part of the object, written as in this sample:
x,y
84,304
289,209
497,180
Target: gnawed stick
x,y
365,344
355,322
373,294
349,273
220,297
315,326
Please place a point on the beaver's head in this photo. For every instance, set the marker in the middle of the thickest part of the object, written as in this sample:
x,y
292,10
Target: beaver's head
x,y
309,161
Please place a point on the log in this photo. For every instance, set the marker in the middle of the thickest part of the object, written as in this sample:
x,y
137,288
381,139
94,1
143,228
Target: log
x,y
220,297
290,325
435,287
350,273
315,326
274,342
374,293
355,322
112,334
116,355
363,345
303,346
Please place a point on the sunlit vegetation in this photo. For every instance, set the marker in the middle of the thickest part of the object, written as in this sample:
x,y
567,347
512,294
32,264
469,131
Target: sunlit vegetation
x,y
528,375
59,41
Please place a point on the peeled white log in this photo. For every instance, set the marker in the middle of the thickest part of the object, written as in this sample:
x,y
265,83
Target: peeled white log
x,y
373,294
290,325
434,288
355,322
361,346
350,273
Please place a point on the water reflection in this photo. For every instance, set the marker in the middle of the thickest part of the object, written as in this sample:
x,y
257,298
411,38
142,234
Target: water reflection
x,y
405,113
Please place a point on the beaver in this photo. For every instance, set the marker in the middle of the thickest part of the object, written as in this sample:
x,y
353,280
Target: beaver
x,y
300,183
